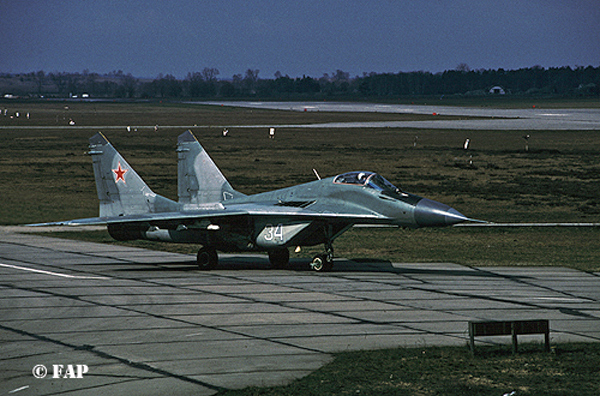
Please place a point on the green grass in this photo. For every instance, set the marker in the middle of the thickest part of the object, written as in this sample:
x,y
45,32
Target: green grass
x,y
571,369
569,247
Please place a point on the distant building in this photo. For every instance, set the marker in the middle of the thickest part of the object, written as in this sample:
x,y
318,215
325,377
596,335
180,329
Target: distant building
x,y
497,90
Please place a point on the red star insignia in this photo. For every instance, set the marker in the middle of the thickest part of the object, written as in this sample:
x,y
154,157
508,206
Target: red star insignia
x,y
120,173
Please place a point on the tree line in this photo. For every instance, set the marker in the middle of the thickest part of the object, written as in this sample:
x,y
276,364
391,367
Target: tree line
x,y
205,84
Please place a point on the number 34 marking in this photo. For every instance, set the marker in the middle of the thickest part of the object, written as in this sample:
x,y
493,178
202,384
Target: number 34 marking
x,y
274,232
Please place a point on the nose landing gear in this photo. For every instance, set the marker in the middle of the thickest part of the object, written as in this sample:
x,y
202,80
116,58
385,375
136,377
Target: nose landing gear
x,y
323,262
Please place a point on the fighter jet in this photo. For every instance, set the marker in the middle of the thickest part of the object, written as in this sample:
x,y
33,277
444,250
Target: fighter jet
x,y
209,212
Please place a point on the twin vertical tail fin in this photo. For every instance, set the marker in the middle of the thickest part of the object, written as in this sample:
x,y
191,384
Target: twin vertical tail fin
x,y
121,190
199,180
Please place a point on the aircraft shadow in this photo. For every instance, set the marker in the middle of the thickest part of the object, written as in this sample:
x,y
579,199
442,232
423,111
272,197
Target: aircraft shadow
x,y
341,265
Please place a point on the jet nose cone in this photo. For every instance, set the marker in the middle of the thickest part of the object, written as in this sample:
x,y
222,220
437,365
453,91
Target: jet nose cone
x,y
429,213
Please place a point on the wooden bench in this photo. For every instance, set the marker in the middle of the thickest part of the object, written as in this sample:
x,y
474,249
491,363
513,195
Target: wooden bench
x,y
511,328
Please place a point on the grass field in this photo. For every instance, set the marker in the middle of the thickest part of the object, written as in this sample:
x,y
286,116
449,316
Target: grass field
x,y
572,369
46,176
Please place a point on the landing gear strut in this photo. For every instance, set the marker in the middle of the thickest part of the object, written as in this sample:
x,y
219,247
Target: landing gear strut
x,y
323,262
207,258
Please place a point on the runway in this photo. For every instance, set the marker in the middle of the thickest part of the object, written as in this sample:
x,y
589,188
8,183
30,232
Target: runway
x,y
150,323
494,118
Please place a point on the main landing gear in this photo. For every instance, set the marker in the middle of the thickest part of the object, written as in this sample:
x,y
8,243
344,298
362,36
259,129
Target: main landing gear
x,y
207,258
279,258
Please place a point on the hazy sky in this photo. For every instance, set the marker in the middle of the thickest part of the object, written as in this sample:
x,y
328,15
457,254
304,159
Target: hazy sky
x,y
309,37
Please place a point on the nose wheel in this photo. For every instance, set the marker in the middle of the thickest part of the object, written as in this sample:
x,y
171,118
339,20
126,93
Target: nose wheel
x,y
323,262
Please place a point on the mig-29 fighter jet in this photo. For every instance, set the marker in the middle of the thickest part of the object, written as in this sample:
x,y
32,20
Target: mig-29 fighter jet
x,y
212,214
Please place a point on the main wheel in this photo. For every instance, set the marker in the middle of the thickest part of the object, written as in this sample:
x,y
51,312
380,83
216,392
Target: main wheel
x,y
207,258
321,263
279,258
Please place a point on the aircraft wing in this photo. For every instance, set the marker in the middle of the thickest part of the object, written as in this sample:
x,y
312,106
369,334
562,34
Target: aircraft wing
x,y
279,210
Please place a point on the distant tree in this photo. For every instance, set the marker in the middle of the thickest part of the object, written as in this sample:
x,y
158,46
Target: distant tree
x,y
284,84
129,84
462,67
249,81
89,83
227,89
40,79
194,82
251,75
306,85
202,84
61,80
341,76
210,74
165,86
578,81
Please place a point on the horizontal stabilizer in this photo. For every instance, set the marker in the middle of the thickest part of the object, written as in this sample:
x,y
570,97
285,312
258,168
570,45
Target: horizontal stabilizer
x,y
72,223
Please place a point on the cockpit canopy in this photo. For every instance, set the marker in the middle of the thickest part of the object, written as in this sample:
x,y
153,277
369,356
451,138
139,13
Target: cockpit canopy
x,y
368,179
